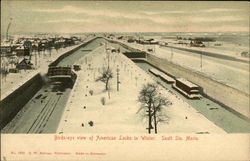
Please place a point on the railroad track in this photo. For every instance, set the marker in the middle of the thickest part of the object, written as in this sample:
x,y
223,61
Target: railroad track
x,y
40,122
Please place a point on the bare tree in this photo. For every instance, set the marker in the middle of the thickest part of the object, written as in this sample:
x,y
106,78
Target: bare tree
x,y
159,114
106,75
152,104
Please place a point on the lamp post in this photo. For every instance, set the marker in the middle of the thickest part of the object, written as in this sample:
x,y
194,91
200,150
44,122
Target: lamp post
x,y
118,81
172,54
201,60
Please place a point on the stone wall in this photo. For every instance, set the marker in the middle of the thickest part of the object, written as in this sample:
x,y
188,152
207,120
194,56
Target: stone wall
x,y
14,102
233,98
57,61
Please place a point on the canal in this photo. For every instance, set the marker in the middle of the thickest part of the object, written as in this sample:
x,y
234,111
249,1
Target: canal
x,y
213,111
43,112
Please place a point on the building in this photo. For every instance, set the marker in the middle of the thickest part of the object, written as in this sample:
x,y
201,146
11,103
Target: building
x,y
20,51
24,64
6,47
196,43
245,54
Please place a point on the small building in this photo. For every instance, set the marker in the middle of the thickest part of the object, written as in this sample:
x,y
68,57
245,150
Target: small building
x,y
196,43
20,51
162,43
245,54
34,47
120,37
5,48
131,40
24,64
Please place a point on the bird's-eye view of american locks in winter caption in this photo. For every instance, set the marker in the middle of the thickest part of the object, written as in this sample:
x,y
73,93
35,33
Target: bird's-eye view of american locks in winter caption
x,y
124,67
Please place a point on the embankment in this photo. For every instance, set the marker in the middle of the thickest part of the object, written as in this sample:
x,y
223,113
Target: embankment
x,y
14,102
231,98
123,45
60,58
211,54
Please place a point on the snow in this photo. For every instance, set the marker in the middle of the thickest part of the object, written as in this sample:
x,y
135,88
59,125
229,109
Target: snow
x,y
15,80
119,114
234,74
227,49
189,84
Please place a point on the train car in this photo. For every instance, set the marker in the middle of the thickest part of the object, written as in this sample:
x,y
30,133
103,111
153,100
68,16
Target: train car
x,y
187,88
162,75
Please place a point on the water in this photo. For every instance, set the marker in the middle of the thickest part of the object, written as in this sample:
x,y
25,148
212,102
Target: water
x,y
214,112
55,102
43,114
71,59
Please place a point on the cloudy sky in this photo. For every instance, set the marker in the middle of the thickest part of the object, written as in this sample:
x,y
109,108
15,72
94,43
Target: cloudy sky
x,y
124,16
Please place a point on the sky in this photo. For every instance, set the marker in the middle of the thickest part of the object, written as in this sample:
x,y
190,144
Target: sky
x,y
124,16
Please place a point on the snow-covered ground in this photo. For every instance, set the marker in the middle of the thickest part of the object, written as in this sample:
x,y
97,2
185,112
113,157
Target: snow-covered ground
x,y
15,80
231,73
119,114
226,48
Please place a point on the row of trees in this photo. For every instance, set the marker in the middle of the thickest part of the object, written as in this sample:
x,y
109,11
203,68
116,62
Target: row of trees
x,y
44,44
152,103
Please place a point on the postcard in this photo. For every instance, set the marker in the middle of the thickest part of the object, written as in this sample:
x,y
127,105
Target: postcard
x,y
124,80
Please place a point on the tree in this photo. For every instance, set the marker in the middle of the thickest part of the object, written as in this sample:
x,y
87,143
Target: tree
x,y
106,75
152,104
159,114
27,47
49,46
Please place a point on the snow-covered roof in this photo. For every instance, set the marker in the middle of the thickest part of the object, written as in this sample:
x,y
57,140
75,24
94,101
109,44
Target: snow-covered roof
x,y
186,82
20,47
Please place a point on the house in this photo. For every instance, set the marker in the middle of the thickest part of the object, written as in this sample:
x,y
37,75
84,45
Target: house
x,y
20,51
24,64
34,47
5,48
196,43
245,54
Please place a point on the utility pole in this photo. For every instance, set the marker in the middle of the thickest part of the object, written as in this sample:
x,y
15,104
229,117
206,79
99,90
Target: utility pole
x,y
172,54
109,93
36,59
107,53
118,81
201,60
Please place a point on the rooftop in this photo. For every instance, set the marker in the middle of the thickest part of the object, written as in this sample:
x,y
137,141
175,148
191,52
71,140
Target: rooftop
x,y
184,81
